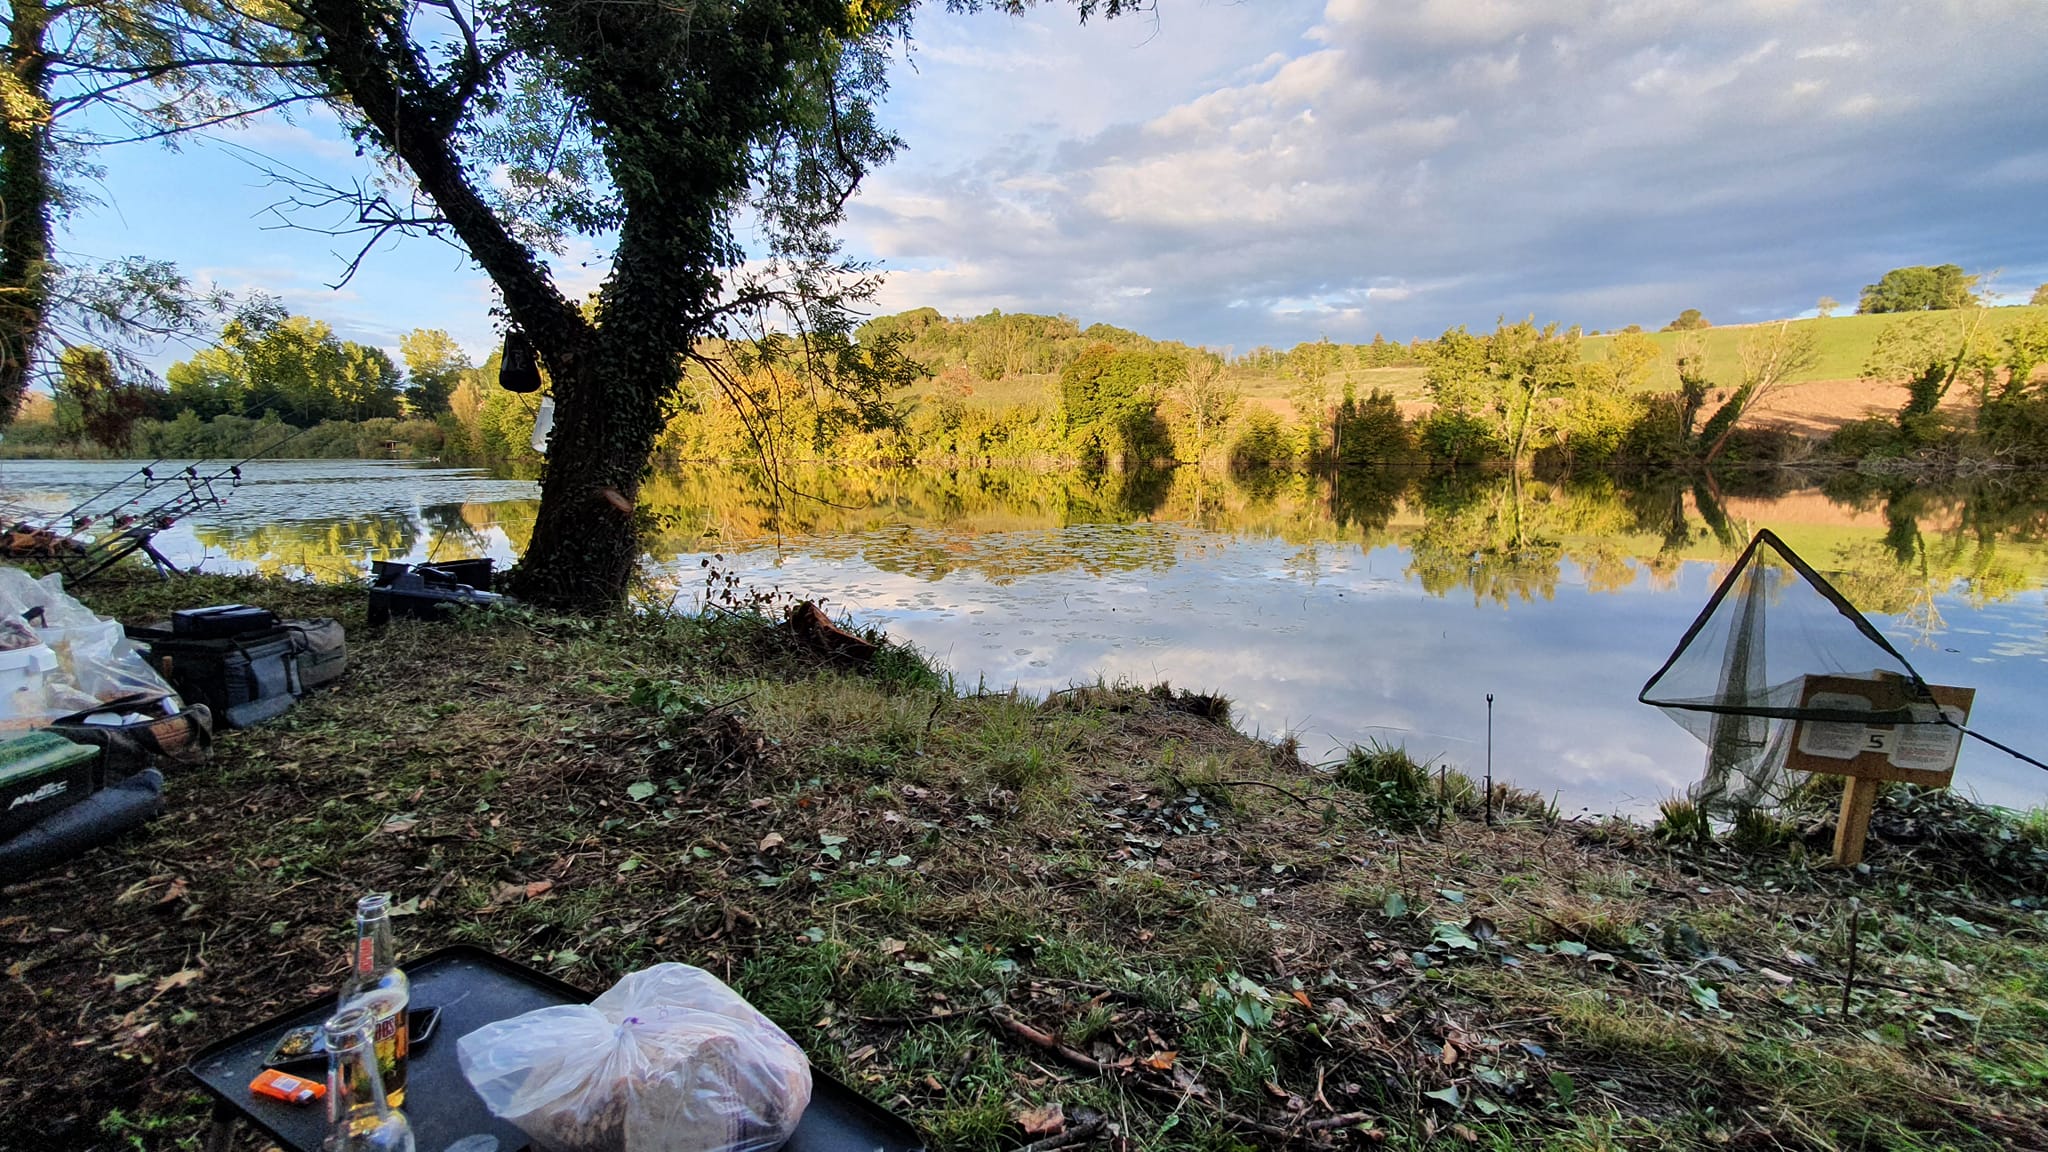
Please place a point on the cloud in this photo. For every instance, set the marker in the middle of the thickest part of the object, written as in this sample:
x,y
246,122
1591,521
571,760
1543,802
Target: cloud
x,y
1406,165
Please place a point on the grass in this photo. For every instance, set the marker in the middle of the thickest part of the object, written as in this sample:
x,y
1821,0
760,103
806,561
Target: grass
x,y
1843,344
1216,945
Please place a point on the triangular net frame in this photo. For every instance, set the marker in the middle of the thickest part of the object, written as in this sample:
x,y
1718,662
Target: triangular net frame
x,y
1738,677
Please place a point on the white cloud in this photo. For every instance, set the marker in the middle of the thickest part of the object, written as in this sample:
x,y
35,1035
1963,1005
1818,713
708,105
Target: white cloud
x,y
1624,157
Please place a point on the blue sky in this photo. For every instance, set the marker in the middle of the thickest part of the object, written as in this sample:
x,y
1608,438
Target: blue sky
x,y
1239,174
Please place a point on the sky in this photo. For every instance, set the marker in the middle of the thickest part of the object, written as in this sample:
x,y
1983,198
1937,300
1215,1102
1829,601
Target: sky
x,y
1271,171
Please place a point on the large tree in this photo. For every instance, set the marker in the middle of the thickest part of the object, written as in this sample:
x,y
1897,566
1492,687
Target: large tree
x,y
660,128
1920,288
435,366
77,74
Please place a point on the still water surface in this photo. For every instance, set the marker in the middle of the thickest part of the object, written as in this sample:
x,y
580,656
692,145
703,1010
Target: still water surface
x,y
1340,610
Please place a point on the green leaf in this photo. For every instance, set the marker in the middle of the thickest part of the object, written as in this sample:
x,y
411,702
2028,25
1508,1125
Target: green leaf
x,y
1944,1010
1452,936
1447,1095
1704,995
629,864
1396,906
125,980
832,851
1563,1087
898,861
1486,1107
1570,948
830,840
1451,894
640,789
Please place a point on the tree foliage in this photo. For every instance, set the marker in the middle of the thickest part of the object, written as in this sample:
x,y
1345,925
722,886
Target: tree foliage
x,y
1919,288
296,367
435,366
75,73
1508,381
1688,321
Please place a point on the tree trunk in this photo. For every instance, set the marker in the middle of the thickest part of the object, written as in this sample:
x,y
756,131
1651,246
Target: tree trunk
x,y
585,544
24,207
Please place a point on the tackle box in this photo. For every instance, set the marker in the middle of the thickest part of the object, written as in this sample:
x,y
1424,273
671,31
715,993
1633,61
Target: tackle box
x,y
429,591
220,621
243,680
40,773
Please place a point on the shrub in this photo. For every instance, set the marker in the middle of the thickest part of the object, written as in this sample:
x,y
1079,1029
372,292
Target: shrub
x,y
1455,438
1264,443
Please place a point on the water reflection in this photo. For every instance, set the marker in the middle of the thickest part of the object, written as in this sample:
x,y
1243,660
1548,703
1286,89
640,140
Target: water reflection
x,y
1340,607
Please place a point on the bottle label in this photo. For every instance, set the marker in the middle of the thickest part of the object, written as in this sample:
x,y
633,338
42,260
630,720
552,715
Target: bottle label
x,y
366,954
392,1042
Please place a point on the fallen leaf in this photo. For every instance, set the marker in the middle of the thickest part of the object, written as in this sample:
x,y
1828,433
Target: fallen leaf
x,y
1465,1134
178,979
514,893
176,891
1774,976
1161,1061
1042,1121
1450,1055
1275,1091
126,980
770,842
398,825
759,803
1302,998
891,946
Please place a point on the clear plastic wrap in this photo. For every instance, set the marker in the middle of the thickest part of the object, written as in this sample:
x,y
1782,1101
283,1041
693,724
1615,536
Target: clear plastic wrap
x,y
668,1060
96,662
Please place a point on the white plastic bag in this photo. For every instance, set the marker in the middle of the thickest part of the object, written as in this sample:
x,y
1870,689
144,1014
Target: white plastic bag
x,y
668,1060
96,662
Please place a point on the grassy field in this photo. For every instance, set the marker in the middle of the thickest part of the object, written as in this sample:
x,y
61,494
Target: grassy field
x,y
974,907
1844,343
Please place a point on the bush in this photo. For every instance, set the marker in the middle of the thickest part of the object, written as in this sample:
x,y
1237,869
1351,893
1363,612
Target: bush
x,y
1863,439
1396,788
1454,438
1264,443
1371,431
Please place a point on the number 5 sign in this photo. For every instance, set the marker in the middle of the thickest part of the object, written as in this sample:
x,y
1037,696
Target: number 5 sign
x,y
1920,752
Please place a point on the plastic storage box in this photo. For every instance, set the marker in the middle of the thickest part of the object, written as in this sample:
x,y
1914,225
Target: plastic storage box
x,y
40,773
22,673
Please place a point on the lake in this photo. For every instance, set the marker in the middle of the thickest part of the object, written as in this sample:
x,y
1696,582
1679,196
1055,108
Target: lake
x,y
1337,609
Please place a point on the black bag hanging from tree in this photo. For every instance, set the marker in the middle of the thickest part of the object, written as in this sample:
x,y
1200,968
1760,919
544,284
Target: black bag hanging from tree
x,y
518,366
1746,672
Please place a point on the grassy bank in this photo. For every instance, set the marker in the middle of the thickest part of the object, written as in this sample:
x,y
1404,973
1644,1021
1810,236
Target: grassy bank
x,y
970,906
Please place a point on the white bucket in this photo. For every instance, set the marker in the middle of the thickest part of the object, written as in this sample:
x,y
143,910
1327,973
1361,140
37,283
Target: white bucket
x,y
24,699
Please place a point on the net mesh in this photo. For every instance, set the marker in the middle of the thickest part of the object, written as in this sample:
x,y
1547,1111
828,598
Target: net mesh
x,y
1739,679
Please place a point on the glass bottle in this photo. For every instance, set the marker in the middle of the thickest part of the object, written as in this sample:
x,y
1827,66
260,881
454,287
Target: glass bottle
x,y
377,983
360,1117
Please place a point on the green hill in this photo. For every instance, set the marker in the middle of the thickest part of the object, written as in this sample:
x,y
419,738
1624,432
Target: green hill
x,y
1845,343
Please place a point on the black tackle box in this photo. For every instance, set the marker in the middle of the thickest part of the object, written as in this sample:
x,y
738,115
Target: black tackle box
x,y
41,773
430,591
220,621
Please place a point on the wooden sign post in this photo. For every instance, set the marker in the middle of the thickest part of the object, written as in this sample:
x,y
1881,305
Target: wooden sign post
x,y
1919,753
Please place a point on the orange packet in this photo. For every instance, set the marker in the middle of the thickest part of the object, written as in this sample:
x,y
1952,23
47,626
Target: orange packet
x,y
290,1089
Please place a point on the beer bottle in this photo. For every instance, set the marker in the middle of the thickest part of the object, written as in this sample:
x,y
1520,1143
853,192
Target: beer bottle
x,y
376,983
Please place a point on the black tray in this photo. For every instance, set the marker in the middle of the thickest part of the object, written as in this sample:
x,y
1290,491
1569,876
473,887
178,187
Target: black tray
x,y
473,988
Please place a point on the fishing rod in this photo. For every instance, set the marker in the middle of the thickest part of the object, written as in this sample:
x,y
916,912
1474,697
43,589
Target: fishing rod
x,y
191,499
147,472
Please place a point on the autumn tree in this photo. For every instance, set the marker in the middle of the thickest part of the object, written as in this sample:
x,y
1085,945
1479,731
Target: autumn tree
x,y
1770,356
1929,355
1635,358
1827,307
1507,379
1201,402
1309,366
2040,297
